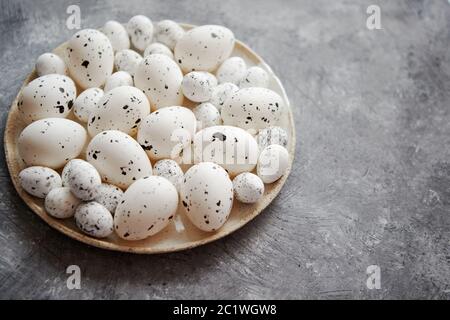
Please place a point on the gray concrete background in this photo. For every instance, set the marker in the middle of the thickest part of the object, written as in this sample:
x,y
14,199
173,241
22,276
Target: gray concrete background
x,y
371,180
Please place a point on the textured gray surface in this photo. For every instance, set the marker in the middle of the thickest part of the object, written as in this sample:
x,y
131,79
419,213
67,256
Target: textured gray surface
x,y
371,180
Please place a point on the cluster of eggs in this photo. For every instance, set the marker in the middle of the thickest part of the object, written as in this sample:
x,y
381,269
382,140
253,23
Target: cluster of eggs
x,y
90,155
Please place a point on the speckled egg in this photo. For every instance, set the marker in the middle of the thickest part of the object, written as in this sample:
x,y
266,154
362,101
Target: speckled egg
x,y
86,102
248,187
122,108
127,60
168,32
39,181
49,96
221,93
197,86
204,48
83,179
94,219
207,195
158,48
170,170
61,203
117,35
164,133
272,135
118,158
207,115
159,77
255,77
272,163
90,58
146,208
109,196
118,79
140,29
253,108
51,142
49,63
231,70
233,148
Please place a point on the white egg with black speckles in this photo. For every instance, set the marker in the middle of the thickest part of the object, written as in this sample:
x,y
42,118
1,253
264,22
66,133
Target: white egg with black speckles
x,y
122,108
221,93
118,158
207,195
118,79
90,58
166,132
253,108
146,208
255,77
140,29
168,32
61,203
158,48
231,70
83,179
273,163
159,77
197,86
51,142
117,34
170,170
49,63
86,102
207,115
39,181
94,219
204,48
49,96
127,60
248,187
109,196
272,135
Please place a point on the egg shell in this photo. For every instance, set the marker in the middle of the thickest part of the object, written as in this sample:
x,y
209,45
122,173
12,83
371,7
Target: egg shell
x,y
90,58
207,115
233,148
255,77
197,86
83,179
158,48
231,70
221,93
109,196
49,96
168,32
86,102
118,79
164,133
146,208
272,163
118,158
61,203
248,187
127,60
117,35
122,108
140,29
272,135
49,63
94,219
159,77
204,48
207,195
51,142
253,108
39,181
170,170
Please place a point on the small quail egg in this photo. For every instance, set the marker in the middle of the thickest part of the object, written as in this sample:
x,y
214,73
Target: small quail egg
x,y
118,79
221,93
272,164
83,179
39,181
49,63
272,135
127,60
94,219
168,32
255,77
117,35
197,86
231,70
108,195
86,102
158,48
61,203
140,29
207,115
248,187
170,170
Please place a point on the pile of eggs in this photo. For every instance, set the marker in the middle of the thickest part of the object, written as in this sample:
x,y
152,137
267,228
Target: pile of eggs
x,y
154,99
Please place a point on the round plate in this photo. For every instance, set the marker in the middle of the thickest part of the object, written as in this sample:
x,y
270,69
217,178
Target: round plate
x,y
169,239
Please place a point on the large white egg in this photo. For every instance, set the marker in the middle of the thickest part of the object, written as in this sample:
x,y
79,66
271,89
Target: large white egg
x,y
86,102
117,34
